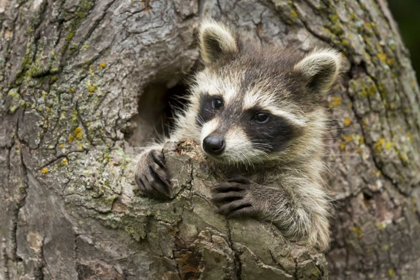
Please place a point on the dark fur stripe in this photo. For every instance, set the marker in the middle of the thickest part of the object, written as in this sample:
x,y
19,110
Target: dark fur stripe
x,y
206,112
271,136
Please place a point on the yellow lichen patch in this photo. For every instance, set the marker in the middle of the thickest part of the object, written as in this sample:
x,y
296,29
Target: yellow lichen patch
x,y
75,113
368,91
347,121
44,170
13,108
381,225
64,162
385,247
390,61
71,138
102,65
391,273
61,145
382,56
343,146
392,106
77,130
365,122
91,87
293,14
335,101
78,133
362,140
347,138
358,231
378,145
72,90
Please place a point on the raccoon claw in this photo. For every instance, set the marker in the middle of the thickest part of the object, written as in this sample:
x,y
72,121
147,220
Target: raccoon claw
x,y
151,176
234,198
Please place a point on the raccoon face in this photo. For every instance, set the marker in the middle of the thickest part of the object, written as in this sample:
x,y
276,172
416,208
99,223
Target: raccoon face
x,y
254,104
232,131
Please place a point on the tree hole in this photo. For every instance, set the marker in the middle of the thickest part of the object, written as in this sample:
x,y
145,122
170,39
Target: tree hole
x,y
157,108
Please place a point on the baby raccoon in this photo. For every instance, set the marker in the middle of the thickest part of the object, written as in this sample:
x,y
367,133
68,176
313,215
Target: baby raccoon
x,y
257,110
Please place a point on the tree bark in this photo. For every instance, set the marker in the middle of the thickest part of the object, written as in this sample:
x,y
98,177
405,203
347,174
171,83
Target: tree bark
x,y
78,76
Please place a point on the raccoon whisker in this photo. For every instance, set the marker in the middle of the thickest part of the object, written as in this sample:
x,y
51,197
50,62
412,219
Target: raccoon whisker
x,y
238,158
200,119
268,135
248,159
187,98
264,147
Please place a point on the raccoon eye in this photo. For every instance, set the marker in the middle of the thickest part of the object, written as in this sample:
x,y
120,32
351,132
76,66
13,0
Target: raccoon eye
x,y
261,117
216,103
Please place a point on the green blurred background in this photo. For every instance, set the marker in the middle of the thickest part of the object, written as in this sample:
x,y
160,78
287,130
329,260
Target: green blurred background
x,y
407,15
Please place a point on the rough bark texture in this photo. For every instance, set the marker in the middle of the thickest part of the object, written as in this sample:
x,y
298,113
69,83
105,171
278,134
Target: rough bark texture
x,y
71,75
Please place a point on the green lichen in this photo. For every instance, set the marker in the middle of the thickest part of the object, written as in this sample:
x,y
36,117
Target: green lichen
x,y
403,157
382,90
358,232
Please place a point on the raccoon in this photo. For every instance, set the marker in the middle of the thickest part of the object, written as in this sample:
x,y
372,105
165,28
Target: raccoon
x,y
257,109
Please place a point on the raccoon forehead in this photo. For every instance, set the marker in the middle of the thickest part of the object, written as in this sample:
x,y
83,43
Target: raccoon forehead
x,y
274,104
226,85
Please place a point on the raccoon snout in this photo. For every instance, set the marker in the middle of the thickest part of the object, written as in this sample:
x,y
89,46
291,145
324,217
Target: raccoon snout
x,y
214,145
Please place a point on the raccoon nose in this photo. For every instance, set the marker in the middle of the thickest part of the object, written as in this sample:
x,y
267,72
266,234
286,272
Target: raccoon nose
x,y
214,145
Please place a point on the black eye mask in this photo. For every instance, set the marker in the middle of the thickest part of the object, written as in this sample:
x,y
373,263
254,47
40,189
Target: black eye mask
x,y
272,135
209,106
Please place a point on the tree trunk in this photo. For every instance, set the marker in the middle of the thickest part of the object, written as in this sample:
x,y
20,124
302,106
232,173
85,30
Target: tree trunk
x,y
81,86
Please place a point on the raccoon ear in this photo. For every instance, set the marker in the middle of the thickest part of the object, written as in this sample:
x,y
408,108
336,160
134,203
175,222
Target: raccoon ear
x,y
320,69
216,40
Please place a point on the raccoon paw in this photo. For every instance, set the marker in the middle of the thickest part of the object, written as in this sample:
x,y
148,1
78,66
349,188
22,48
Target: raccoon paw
x,y
235,198
152,177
